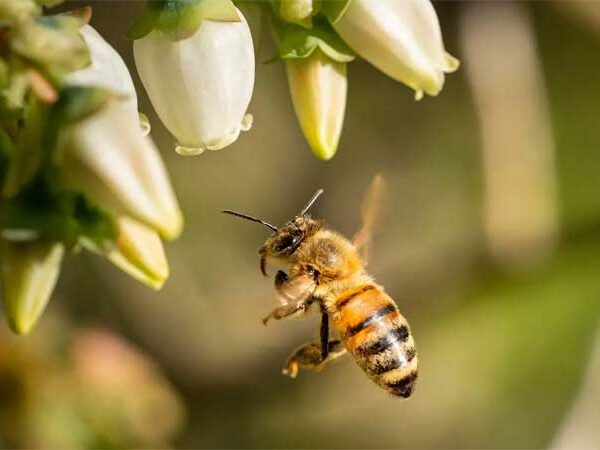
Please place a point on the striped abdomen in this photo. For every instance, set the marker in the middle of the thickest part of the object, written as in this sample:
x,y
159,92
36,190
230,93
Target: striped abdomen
x,y
379,337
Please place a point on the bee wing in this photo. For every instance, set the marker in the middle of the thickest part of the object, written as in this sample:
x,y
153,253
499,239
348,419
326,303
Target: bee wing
x,y
369,213
296,289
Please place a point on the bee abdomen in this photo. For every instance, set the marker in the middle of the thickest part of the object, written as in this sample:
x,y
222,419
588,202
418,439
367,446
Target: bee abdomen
x,y
389,358
379,338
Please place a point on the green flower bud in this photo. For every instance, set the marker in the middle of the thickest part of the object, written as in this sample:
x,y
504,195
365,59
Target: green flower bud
x,y
297,11
12,11
318,87
28,276
139,253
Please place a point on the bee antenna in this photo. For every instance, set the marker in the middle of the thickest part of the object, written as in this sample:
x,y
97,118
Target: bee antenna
x,y
313,199
250,218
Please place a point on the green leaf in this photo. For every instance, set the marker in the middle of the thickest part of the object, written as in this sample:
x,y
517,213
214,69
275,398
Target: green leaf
x,y
298,42
334,9
179,19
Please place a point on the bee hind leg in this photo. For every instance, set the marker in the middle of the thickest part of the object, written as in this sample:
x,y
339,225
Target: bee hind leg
x,y
310,357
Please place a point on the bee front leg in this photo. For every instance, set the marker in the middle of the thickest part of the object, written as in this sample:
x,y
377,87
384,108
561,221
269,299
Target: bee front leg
x,y
309,357
295,295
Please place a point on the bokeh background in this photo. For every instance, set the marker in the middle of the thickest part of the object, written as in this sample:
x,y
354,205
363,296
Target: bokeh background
x,y
489,242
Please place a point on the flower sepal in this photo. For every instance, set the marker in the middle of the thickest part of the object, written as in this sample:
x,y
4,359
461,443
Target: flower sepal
x,y
179,19
40,131
42,211
334,9
298,42
51,42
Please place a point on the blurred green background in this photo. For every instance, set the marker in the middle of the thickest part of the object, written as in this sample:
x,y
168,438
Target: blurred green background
x,y
489,242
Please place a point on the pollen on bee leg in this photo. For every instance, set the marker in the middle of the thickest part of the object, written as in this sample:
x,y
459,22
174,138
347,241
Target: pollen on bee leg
x,y
290,369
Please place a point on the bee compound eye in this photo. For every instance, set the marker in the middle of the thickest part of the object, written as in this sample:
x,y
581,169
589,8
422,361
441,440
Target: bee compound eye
x,y
283,244
287,244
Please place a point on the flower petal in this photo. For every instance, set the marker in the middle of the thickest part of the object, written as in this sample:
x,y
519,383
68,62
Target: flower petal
x,y
110,160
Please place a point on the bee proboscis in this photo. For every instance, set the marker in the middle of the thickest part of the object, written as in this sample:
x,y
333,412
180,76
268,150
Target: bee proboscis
x,y
326,269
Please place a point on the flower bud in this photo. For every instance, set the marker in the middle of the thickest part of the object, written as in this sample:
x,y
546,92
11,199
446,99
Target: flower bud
x,y
107,157
18,11
29,274
297,11
402,38
139,253
318,87
200,86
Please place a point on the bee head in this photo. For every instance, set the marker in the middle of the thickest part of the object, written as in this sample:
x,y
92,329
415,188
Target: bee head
x,y
285,240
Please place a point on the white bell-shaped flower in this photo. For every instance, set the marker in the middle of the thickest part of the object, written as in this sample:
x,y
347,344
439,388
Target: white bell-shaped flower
x,y
108,157
200,86
402,38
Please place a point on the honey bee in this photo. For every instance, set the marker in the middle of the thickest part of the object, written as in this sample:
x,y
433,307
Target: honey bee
x,y
324,268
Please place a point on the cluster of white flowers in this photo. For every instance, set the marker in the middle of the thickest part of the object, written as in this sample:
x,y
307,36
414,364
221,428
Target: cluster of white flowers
x,y
78,168
200,77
